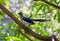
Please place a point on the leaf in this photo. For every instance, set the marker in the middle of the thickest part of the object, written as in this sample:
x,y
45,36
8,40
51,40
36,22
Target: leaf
x,y
55,17
1,26
1,1
40,7
58,16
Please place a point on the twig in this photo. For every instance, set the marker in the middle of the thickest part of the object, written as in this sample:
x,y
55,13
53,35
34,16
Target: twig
x,y
50,3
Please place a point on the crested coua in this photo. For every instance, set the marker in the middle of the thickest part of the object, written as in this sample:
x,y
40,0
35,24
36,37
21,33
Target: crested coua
x,y
28,20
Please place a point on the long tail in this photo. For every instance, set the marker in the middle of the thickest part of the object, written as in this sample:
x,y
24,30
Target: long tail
x,y
41,20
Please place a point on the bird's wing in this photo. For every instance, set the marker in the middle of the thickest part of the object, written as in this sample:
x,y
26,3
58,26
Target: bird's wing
x,y
28,20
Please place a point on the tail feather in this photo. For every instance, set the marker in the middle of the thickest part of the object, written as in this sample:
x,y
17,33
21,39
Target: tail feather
x,y
41,20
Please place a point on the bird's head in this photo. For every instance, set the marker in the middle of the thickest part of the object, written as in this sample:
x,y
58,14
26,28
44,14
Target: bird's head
x,y
20,13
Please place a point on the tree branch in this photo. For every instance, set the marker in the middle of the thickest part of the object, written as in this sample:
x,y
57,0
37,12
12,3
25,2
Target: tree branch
x,y
49,3
25,28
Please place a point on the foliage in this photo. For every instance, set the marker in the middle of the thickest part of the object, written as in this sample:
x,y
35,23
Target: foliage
x,y
38,10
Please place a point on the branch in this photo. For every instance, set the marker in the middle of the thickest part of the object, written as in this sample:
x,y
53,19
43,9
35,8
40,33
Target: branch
x,y
49,3
25,28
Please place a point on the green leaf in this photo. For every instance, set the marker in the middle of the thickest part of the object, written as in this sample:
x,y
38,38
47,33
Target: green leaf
x,y
40,7
1,26
1,1
58,16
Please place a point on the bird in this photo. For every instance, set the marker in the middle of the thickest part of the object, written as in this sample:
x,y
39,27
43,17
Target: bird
x,y
28,20
31,21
